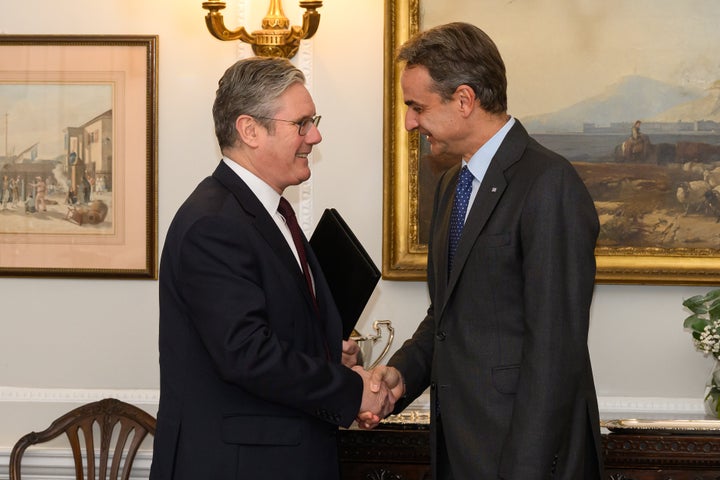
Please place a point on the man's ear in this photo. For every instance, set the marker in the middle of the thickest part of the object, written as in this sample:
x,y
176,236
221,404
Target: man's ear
x,y
248,130
466,99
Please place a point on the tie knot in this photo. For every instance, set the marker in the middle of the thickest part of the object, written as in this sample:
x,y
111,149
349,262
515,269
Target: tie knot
x,y
466,178
285,208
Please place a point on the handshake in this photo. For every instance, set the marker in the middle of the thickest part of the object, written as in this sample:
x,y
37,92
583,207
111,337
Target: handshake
x,y
382,387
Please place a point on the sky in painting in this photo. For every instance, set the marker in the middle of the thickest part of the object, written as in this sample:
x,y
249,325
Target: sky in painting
x,y
559,52
39,113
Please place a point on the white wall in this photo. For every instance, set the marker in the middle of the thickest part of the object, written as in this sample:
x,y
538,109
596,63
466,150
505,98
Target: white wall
x,y
74,338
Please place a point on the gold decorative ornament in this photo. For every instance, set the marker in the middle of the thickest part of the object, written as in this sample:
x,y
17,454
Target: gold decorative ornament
x,y
277,38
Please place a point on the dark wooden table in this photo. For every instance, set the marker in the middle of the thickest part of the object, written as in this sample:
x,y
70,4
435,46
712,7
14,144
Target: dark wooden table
x,y
669,456
385,453
402,453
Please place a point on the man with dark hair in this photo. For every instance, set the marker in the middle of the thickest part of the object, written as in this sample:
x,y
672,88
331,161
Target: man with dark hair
x,y
511,271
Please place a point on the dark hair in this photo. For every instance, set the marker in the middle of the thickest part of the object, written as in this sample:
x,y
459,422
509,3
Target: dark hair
x,y
460,54
251,86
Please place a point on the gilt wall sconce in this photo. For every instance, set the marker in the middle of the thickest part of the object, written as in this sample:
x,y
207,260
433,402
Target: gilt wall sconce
x,y
277,38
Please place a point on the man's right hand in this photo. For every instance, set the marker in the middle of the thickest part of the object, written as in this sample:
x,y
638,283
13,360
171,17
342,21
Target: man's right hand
x,y
382,378
377,400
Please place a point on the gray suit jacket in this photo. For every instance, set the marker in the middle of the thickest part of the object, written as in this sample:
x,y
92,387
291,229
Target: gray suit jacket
x,y
504,344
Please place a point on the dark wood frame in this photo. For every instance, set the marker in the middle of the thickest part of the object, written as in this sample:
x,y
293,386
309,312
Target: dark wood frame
x,y
132,253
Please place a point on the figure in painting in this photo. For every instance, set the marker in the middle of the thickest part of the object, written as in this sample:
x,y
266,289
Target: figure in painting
x,y
40,191
5,191
637,147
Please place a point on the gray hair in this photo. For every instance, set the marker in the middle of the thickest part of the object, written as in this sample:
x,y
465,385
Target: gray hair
x,y
460,54
251,87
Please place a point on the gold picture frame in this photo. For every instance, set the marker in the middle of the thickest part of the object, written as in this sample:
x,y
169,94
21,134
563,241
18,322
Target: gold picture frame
x,y
78,162
404,251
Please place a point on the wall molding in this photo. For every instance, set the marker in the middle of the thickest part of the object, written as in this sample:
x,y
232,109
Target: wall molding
x,y
650,405
623,407
304,60
76,395
608,405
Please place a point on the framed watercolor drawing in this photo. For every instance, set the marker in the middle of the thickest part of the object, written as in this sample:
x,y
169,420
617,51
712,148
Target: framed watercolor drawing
x,y
78,160
635,106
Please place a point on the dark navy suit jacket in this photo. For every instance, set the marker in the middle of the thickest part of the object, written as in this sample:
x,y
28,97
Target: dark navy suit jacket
x,y
251,384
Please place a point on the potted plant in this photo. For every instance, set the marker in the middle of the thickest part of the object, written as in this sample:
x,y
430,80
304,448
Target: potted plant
x,y
704,324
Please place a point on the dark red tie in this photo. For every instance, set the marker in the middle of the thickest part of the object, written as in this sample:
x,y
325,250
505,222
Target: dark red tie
x,y
289,214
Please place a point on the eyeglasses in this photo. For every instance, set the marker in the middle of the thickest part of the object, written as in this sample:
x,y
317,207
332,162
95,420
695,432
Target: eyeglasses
x,y
303,125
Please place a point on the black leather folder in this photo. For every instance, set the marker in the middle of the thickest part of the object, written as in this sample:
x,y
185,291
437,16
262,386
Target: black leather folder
x,y
348,268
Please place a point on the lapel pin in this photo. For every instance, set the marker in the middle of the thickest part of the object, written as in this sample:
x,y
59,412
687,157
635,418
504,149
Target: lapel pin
x,y
493,189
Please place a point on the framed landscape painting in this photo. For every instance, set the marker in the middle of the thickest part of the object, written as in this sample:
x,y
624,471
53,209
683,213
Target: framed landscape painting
x,y
78,166
628,92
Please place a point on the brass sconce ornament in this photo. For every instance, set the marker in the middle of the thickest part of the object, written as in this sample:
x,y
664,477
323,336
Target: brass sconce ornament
x,y
277,38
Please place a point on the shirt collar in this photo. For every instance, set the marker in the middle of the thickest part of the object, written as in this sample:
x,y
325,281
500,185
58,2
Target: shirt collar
x,y
480,161
267,195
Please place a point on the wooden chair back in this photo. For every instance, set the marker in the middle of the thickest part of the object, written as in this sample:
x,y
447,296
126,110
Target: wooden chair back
x,y
109,429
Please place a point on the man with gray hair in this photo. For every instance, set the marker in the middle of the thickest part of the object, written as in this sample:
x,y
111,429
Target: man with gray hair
x,y
254,375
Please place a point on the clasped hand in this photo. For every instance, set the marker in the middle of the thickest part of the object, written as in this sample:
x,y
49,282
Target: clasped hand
x,y
382,386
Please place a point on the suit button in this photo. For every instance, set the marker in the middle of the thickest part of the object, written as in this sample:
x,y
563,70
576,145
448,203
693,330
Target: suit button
x,y
440,336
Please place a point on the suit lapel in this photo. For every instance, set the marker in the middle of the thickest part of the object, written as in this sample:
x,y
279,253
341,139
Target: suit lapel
x,y
329,315
265,225
489,193
442,224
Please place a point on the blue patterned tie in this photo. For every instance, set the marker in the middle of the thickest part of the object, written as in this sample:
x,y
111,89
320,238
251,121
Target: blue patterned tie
x,y
459,207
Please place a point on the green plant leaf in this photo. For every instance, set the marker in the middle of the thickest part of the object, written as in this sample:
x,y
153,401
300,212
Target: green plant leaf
x,y
714,309
696,304
715,382
687,323
695,323
713,294
714,397
706,313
